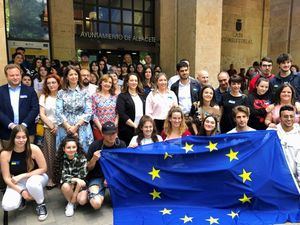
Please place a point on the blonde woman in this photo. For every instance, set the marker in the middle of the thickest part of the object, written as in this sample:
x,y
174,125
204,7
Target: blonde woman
x,y
174,126
160,101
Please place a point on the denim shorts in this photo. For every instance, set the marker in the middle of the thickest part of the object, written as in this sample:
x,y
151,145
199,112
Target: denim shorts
x,y
99,183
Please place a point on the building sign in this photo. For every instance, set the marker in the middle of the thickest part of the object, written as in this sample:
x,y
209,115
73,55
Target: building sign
x,y
119,37
238,25
33,49
237,36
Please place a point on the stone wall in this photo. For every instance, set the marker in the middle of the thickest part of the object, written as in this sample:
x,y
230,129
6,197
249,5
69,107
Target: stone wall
x,y
191,30
62,29
244,32
285,29
3,54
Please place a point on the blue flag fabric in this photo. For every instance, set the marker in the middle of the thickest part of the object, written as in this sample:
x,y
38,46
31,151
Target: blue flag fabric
x,y
240,178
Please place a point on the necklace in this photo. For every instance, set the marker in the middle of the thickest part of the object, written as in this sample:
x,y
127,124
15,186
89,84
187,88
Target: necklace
x,y
133,94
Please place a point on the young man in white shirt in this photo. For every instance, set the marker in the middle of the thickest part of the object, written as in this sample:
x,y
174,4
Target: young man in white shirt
x,y
186,89
289,134
241,115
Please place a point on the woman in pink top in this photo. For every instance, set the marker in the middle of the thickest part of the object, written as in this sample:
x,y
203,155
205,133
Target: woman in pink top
x,y
104,105
159,101
285,95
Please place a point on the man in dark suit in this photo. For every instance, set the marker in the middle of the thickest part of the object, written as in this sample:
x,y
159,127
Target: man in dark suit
x,y
186,89
19,105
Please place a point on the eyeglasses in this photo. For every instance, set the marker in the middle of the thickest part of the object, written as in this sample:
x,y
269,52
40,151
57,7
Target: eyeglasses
x,y
267,65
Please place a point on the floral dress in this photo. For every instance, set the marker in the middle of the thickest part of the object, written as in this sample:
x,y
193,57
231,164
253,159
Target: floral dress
x,y
104,109
71,106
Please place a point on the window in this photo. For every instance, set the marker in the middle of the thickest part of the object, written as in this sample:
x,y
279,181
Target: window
x,y
24,23
125,17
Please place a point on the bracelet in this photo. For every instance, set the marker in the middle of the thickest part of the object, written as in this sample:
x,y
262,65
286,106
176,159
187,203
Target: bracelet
x,y
22,191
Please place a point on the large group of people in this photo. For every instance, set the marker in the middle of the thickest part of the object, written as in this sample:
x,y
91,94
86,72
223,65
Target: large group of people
x,y
88,107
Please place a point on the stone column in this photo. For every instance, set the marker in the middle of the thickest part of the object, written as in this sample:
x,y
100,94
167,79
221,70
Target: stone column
x,y
168,36
279,28
244,32
62,29
192,30
208,38
294,47
3,55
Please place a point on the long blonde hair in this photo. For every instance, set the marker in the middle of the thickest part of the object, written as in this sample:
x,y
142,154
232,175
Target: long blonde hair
x,y
168,126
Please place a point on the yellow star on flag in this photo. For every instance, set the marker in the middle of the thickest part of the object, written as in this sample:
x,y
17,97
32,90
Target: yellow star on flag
x,y
188,148
233,214
245,175
212,146
212,220
155,194
166,211
232,155
167,155
187,219
154,173
245,199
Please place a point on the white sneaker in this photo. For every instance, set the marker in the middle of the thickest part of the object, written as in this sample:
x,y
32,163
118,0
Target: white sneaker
x,y
69,209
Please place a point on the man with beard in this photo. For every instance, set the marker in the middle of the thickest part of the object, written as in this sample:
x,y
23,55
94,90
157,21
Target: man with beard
x,y
187,90
86,78
265,70
285,75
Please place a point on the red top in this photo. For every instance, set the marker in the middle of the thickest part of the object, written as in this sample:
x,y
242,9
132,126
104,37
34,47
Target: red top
x,y
254,79
185,133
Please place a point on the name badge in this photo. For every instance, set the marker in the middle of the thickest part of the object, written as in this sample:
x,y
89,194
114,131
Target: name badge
x,y
23,96
231,102
15,163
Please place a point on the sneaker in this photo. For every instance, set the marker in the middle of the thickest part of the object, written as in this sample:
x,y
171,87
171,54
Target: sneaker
x,y
42,212
22,205
69,209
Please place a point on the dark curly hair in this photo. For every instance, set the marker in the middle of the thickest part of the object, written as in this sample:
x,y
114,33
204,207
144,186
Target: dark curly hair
x,y
59,157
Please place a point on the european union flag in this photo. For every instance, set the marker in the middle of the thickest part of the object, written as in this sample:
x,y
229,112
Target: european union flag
x,y
240,178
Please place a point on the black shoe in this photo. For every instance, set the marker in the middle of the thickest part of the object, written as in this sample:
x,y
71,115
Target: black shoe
x,y
23,204
41,210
